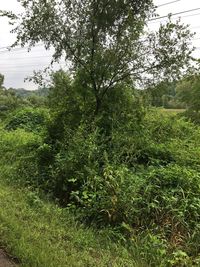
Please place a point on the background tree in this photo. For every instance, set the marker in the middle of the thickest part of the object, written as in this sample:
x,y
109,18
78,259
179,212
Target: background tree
x,y
188,91
9,101
105,41
161,91
1,80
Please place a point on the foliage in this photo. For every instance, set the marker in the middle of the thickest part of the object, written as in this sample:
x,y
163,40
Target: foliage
x,y
154,203
12,99
105,42
165,95
134,171
18,156
1,81
102,153
8,102
189,93
41,92
28,119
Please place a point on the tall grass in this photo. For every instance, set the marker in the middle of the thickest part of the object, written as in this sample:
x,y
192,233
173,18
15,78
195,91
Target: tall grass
x,y
41,234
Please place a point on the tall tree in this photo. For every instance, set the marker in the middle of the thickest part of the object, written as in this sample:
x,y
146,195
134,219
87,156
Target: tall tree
x,y
105,41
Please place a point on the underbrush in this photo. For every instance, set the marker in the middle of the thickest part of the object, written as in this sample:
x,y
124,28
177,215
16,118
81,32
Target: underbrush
x,y
29,119
139,179
18,156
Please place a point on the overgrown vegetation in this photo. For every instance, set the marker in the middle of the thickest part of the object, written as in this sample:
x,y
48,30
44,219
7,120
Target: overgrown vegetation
x,y
138,177
97,147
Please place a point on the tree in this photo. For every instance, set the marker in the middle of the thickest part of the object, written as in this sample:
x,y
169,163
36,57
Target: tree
x,y
188,91
8,99
1,81
105,41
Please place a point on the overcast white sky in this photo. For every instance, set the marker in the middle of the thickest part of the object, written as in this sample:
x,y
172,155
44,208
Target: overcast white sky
x,y
16,65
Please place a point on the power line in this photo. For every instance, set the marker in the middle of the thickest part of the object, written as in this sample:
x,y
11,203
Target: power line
x,y
50,56
174,14
187,16
26,66
25,72
22,58
40,45
168,3
158,18
31,64
9,48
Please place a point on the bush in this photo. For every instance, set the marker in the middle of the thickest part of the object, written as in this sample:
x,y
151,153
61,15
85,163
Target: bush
x,y
153,196
140,177
65,166
18,159
160,202
28,119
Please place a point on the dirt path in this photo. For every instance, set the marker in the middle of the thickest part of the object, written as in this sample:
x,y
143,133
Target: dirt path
x,y
5,261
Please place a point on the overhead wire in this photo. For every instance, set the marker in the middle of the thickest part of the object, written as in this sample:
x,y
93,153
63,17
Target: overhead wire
x,y
30,57
10,49
187,16
168,3
174,14
157,18
6,49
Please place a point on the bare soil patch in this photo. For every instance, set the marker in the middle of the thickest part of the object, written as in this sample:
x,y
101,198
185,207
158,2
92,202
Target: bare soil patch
x,y
5,261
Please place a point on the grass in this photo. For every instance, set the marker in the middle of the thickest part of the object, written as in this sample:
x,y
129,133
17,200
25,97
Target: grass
x,y
39,233
172,110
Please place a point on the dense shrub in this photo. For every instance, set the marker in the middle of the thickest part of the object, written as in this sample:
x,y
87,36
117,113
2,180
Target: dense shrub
x,y
193,116
139,176
69,157
18,157
28,119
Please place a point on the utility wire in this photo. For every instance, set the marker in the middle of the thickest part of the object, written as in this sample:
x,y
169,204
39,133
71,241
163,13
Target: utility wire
x,y
174,14
10,49
168,3
50,56
40,45
28,65
158,18
187,16
34,57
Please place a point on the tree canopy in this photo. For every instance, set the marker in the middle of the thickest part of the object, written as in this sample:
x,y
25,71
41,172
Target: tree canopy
x,y
188,91
1,80
105,42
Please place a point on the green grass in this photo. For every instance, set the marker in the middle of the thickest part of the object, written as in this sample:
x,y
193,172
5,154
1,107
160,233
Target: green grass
x,y
172,110
39,233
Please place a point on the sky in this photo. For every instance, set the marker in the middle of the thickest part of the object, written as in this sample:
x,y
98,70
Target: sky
x,y
17,65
